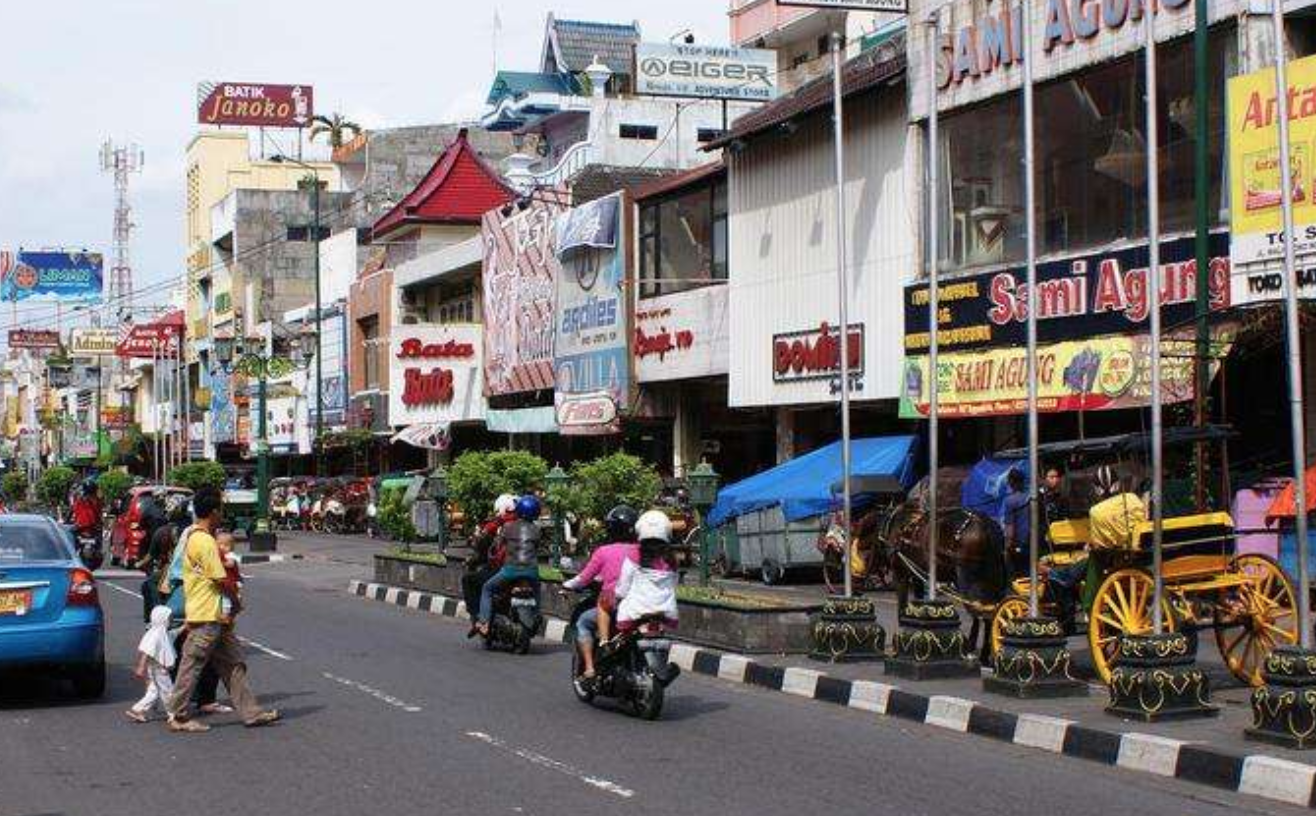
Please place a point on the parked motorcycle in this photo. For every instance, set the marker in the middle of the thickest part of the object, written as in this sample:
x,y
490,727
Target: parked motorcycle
x,y
633,668
515,620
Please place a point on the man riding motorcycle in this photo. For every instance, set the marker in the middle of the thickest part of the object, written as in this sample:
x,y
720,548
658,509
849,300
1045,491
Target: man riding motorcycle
x,y
604,567
486,557
520,538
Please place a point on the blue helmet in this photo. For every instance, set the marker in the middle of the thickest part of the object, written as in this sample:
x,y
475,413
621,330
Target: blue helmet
x,y
527,507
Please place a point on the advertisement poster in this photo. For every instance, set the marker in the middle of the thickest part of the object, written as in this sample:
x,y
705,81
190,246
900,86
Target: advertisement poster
x,y
222,416
592,341
51,276
1255,213
1098,374
254,104
435,375
520,288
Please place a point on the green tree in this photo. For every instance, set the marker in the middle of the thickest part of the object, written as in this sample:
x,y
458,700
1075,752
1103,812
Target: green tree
x,y
113,485
196,475
13,486
54,484
619,478
476,478
335,128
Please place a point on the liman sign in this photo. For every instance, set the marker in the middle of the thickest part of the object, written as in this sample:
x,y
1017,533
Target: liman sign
x,y
706,72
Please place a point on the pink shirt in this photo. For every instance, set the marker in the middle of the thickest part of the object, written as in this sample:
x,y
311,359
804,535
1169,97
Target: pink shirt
x,y
605,565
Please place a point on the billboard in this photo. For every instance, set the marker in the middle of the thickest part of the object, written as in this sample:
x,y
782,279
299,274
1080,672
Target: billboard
x,y
435,375
254,104
51,276
706,72
33,339
894,6
93,342
150,340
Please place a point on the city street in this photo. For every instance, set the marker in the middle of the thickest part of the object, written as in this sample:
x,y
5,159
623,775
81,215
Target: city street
x,y
392,710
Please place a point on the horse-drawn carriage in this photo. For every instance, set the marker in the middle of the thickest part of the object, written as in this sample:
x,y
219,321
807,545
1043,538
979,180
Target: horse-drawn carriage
x,y
1246,600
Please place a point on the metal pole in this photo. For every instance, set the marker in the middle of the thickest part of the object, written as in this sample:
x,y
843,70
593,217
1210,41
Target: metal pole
x,y
157,450
319,325
187,412
1201,244
933,245
262,456
1030,233
842,296
1291,329
1154,305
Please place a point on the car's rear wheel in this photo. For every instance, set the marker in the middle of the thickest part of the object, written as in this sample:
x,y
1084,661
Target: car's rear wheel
x,y
89,681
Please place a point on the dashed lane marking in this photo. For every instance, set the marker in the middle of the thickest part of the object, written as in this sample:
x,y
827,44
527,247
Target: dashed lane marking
x,y
382,696
552,765
258,646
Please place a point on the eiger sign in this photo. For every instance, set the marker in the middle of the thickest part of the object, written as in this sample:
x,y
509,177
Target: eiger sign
x,y
894,6
706,72
254,104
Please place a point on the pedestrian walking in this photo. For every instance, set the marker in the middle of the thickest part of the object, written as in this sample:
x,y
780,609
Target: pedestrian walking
x,y
155,657
210,640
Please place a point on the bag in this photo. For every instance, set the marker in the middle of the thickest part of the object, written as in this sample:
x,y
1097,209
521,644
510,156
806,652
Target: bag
x,y
177,602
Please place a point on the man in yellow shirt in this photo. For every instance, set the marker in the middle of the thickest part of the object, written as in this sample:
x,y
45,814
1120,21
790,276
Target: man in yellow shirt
x,y
210,638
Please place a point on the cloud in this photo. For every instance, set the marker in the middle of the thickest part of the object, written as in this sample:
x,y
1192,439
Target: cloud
x,y
465,107
11,101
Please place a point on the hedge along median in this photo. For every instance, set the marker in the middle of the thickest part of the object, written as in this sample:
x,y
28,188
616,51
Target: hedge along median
x,y
709,617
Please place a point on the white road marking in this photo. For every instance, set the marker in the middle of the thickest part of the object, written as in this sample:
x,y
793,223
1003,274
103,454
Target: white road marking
x,y
383,697
552,764
258,646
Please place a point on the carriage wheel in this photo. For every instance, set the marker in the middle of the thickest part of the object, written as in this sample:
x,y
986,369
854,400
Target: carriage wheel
x,y
1122,606
1007,610
1260,615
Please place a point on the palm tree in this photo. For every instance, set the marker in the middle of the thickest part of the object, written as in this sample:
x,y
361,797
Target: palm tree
x,y
336,127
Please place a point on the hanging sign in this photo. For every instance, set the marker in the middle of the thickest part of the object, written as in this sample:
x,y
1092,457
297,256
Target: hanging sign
x,y
44,339
520,286
151,340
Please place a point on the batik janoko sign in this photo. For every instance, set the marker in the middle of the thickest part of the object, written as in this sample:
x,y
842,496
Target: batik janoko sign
x,y
435,375
1078,297
706,72
254,104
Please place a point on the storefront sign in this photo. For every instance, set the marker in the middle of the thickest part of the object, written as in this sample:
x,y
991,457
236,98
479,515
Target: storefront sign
x,y
895,6
705,71
116,417
254,105
682,336
592,341
435,375
93,342
1255,214
1083,296
151,340
51,276
33,339
1098,374
520,288
815,354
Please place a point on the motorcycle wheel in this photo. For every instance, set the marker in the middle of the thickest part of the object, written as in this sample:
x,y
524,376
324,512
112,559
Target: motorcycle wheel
x,y
523,637
649,706
584,692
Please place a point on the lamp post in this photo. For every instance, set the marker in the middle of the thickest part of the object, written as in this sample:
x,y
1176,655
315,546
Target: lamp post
x,y
438,489
555,481
703,495
247,357
319,358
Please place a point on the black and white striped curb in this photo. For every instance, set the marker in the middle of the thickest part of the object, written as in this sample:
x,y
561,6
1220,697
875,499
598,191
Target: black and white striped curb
x,y
1256,775
263,558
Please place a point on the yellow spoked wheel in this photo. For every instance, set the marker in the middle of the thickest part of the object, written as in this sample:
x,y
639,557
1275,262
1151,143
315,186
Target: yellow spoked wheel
x,y
1253,619
1006,611
1122,606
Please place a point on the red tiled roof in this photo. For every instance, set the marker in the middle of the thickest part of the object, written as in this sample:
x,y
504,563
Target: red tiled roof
x,y
458,189
680,180
865,71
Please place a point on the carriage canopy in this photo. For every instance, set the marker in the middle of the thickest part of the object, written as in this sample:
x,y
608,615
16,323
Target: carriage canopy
x,y
807,485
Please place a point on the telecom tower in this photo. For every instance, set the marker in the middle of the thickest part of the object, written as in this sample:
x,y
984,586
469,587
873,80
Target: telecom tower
x,y
121,160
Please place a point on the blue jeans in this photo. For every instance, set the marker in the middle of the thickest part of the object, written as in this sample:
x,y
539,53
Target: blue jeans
x,y
501,578
587,627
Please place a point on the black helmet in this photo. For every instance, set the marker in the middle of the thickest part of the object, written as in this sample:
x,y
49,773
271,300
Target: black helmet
x,y
621,523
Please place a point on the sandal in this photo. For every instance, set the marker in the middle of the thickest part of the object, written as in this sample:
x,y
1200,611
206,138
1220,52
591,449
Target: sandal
x,y
187,726
262,719
135,716
214,708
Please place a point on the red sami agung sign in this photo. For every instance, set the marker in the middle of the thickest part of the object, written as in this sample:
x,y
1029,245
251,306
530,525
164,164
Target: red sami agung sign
x,y
254,104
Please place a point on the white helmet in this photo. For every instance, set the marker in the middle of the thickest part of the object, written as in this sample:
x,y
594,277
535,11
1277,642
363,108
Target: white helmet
x,y
504,504
654,524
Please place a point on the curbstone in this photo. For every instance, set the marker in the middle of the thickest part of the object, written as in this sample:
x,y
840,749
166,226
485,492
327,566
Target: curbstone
x,y
1258,775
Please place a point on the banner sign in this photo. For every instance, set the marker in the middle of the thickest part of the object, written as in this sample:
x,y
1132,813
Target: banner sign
x,y
893,6
815,354
1255,214
706,72
151,340
592,341
116,417
254,104
51,276
520,287
1097,374
33,339
94,342
1085,296
435,375
223,417
683,335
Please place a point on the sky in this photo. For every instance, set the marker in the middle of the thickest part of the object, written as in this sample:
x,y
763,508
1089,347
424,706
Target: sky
x,y
79,72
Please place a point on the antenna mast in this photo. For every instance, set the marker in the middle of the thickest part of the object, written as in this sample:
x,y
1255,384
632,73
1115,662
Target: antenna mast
x,y
121,160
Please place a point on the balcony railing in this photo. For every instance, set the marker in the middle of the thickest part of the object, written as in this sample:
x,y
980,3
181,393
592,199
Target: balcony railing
x,y
576,158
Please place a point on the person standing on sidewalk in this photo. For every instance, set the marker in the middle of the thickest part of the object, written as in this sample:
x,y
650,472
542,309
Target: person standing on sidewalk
x,y
211,640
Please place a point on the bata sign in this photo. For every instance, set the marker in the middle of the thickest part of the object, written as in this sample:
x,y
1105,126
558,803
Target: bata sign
x,y
816,354
254,105
435,375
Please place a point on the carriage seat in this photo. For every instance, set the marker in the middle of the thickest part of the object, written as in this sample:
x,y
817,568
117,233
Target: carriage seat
x,y
1069,534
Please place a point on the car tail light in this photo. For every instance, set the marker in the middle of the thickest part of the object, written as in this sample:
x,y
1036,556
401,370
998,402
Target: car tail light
x,y
82,589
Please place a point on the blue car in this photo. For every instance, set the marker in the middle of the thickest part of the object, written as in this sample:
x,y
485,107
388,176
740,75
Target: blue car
x,y
50,612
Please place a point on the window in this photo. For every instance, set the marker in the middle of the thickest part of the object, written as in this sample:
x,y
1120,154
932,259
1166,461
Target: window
x,y
683,240
458,309
642,132
306,233
800,59
370,342
1090,160
706,135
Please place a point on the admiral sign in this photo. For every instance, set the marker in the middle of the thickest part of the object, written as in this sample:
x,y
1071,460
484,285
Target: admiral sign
x,y
254,104
435,375
94,342
706,72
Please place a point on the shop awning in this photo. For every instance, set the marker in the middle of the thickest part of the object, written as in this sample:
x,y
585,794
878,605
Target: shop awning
x,y
803,486
522,420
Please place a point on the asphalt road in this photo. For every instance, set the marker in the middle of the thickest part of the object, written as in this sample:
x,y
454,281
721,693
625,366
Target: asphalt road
x,y
389,710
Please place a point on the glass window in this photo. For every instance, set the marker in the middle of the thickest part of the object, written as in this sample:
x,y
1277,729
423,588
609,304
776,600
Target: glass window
x,y
1090,166
370,342
683,241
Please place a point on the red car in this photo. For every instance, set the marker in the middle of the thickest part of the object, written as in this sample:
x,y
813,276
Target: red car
x,y
128,537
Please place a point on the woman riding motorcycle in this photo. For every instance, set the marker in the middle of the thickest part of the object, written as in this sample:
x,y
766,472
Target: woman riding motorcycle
x,y
604,567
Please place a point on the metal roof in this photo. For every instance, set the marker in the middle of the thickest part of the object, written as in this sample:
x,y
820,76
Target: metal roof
x,y
516,84
575,43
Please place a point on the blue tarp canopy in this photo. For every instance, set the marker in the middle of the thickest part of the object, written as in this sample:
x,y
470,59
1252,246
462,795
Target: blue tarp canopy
x,y
986,487
805,485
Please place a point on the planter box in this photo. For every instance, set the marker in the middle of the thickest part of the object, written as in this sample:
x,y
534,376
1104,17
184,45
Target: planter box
x,y
779,630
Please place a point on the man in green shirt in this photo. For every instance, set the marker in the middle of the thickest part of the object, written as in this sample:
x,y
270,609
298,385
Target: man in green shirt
x,y
210,637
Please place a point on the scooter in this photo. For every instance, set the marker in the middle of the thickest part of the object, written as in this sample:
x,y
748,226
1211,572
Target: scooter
x,y
515,620
333,515
91,548
633,668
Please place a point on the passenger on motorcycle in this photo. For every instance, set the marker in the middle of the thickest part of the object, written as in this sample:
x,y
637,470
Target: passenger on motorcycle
x,y
85,512
486,556
520,539
604,566
648,589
